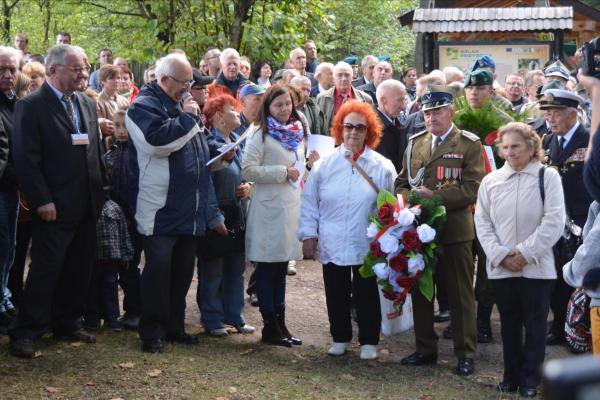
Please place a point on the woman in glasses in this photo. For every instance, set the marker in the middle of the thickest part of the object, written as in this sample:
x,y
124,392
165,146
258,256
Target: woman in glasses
x,y
336,203
273,160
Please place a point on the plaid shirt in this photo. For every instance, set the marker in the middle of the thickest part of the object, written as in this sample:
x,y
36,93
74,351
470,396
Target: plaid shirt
x,y
114,242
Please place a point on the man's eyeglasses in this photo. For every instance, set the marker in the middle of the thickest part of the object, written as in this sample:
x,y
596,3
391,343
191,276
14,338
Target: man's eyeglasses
x,y
76,70
360,128
184,84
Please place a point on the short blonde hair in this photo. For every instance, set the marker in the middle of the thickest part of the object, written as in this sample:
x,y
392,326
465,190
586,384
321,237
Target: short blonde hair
x,y
530,137
34,68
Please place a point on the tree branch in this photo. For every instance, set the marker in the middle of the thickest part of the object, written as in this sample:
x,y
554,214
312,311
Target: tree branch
x,y
131,14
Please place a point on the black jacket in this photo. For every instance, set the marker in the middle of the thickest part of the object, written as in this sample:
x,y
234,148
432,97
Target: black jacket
x,y
8,177
371,90
393,141
569,163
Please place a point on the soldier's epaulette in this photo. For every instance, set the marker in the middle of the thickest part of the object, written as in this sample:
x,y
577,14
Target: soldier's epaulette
x,y
471,136
417,134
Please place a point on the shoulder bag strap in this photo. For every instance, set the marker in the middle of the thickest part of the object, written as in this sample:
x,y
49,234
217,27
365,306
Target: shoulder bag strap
x,y
363,173
541,182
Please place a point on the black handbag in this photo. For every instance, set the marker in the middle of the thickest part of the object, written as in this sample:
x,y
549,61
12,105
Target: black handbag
x,y
216,245
566,246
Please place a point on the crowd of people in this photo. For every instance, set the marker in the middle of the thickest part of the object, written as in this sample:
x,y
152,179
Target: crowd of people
x,y
208,168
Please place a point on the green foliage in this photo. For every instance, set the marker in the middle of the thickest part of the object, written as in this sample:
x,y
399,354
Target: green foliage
x,y
385,197
426,283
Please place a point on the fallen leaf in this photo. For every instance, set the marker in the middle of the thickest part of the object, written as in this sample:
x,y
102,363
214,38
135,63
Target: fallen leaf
x,y
51,389
222,398
38,354
76,344
128,364
246,352
231,389
154,373
90,383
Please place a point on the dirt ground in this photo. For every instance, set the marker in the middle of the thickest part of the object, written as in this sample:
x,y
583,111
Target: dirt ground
x,y
307,319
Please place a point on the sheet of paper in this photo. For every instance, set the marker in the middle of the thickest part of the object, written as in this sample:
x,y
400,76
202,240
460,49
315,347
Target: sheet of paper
x,y
324,145
489,152
225,148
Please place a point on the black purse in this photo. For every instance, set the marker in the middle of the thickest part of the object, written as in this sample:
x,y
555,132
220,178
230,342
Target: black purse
x,y
566,246
216,245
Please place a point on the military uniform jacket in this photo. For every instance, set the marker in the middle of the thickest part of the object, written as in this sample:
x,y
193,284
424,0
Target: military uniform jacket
x,y
453,171
569,163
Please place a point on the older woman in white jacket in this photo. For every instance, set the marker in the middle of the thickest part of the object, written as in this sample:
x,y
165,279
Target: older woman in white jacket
x,y
336,203
517,229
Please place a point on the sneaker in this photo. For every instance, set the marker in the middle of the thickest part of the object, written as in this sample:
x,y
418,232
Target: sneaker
x,y
291,269
244,329
254,300
338,349
368,352
219,332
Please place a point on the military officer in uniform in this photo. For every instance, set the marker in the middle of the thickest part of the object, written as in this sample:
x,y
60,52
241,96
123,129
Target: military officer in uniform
x,y
565,148
486,63
447,162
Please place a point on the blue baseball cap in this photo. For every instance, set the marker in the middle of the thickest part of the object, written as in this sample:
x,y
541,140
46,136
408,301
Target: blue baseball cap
x,y
251,89
484,62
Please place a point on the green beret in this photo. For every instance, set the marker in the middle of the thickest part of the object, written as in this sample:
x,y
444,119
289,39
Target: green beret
x,y
479,77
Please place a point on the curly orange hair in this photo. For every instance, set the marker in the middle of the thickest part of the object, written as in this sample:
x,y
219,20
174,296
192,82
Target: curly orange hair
x,y
216,104
366,110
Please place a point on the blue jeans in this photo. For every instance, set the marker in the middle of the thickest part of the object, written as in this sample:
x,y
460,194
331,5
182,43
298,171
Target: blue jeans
x,y
270,286
221,291
9,207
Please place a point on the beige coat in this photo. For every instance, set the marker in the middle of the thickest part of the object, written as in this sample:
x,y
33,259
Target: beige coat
x,y
275,204
326,104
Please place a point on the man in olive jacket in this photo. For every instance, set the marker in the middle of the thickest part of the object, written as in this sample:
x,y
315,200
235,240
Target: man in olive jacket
x,y
447,162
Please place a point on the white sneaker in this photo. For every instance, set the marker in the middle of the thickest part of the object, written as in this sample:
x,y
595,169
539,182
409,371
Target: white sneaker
x,y
219,332
338,348
291,270
245,329
368,352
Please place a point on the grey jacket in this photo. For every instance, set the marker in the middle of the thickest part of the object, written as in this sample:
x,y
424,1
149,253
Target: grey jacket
x,y
326,104
587,255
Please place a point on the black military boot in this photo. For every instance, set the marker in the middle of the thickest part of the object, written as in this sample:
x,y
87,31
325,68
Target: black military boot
x,y
271,332
280,316
484,325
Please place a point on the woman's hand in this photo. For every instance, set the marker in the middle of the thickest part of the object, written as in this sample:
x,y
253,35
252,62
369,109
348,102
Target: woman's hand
x,y
309,248
243,191
293,174
221,229
229,155
514,261
312,159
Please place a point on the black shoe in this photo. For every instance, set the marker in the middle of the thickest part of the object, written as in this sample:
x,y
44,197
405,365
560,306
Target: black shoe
x,y
527,392
22,348
80,335
153,346
416,359
447,333
271,332
484,333
91,324
442,316
507,387
280,316
114,325
182,337
552,339
130,321
465,367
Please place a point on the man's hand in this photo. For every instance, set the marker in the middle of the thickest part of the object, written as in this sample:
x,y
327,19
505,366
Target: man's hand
x,y
309,248
47,212
243,191
293,174
106,126
221,229
424,192
229,155
189,105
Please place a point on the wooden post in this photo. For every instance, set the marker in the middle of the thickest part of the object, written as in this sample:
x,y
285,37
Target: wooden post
x,y
558,44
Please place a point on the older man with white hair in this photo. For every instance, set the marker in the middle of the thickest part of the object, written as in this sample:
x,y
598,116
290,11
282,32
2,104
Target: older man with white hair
x,y
174,196
324,77
298,64
306,104
391,97
330,101
230,80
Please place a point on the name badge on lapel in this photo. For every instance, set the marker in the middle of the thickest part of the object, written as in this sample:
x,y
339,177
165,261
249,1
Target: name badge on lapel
x,y
80,139
458,156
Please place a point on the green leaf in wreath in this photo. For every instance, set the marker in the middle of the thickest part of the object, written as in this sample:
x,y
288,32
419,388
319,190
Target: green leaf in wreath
x,y
385,197
426,283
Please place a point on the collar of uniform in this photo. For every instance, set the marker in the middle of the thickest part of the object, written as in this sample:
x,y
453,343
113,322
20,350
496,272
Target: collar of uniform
x,y
569,135
443,137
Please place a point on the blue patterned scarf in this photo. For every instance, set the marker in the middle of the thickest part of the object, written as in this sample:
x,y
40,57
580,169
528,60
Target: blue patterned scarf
x,y
290,135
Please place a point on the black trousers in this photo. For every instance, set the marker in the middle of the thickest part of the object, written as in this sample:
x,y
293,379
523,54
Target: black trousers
x,y
559,298
61,259
17,272
166,279
484,291
342,282
522,303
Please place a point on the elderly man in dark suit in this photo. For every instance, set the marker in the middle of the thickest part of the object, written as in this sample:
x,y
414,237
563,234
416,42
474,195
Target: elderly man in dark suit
x,y
58,164
391,96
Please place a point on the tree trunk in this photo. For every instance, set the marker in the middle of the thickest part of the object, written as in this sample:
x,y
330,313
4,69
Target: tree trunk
x,y
240,16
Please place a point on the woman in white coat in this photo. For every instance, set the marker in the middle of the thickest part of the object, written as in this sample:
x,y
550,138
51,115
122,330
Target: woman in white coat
x,y
517,228
273,161
336,204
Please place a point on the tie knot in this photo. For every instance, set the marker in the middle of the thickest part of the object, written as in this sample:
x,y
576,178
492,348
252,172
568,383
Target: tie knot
x,y
437,141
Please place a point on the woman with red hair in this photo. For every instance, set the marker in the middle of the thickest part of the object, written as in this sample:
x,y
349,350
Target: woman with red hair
x,y
340,194
221,265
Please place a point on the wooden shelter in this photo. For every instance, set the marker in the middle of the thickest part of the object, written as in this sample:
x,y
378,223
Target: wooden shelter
x,y
553,22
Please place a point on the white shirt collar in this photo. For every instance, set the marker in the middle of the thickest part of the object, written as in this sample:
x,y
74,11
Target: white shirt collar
x,y
443,137
569,134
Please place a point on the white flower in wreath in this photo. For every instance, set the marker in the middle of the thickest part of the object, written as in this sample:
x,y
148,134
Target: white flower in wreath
x,y
372,230
405,217
415,210
426,233
416,264
388,243
381,270
392,280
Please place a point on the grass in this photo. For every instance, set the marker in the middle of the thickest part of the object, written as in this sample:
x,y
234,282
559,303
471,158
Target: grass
x,y
234,368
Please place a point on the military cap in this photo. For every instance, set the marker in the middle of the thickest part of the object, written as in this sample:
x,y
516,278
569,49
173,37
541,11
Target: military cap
x,y
436,96
251,89
479,77
559,98
352,60
385,57
201,80
557,69
553,84
483,62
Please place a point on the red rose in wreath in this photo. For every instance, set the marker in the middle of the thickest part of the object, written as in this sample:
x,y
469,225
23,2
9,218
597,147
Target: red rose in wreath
x,y
410,240
385,214
399,263
376,250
